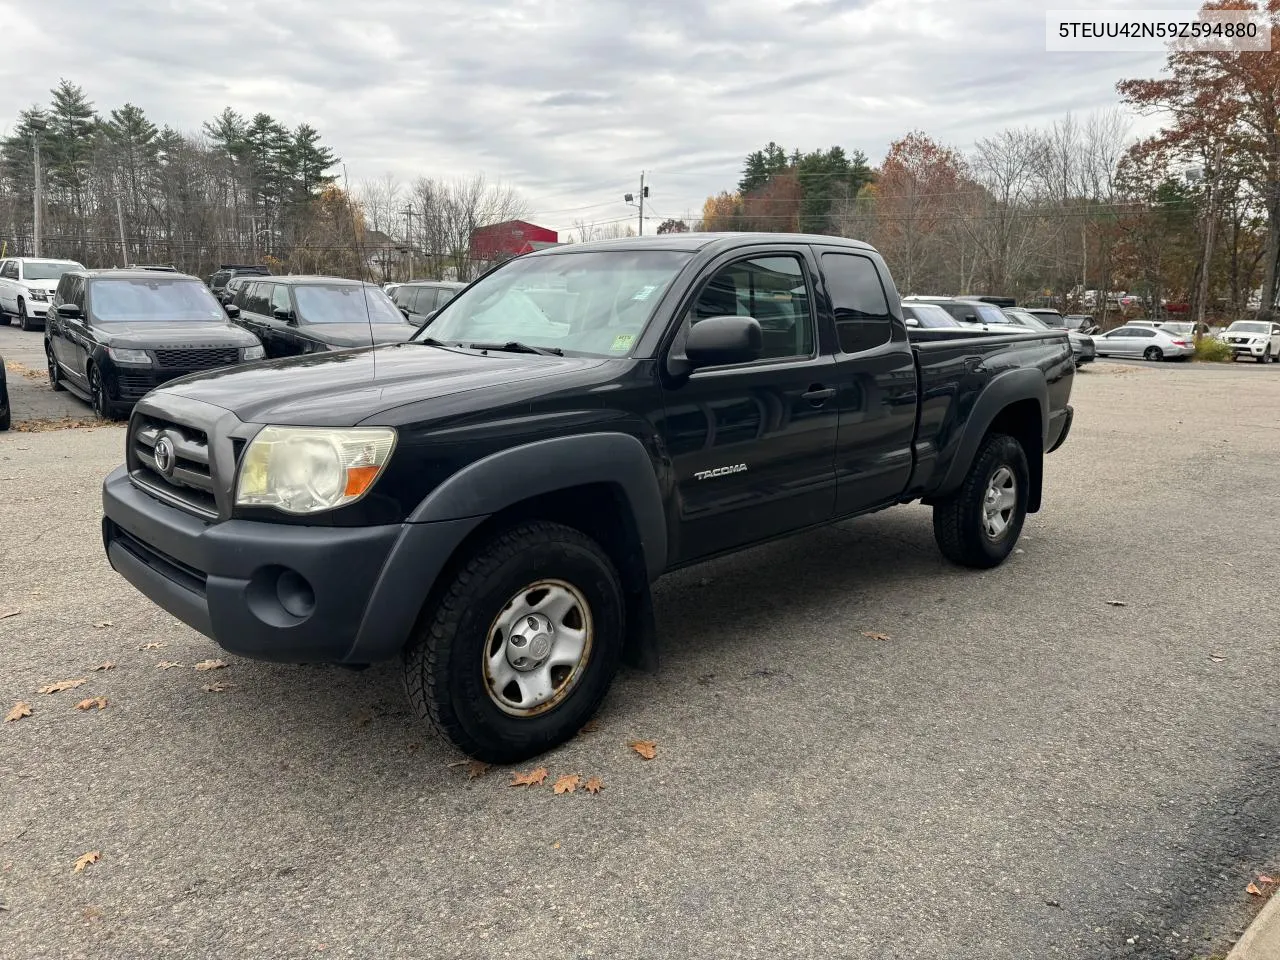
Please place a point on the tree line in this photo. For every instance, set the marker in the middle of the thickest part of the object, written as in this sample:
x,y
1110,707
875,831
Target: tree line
x,y
116,189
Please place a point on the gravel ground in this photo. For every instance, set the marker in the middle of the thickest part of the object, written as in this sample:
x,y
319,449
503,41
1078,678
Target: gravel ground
x,y
1020,770
31,400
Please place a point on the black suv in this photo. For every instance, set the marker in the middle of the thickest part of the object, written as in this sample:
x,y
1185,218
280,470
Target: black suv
x,y
218,282
418,300
113,335
296,315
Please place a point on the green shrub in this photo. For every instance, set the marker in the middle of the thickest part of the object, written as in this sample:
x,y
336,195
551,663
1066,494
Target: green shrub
x,y
1213,350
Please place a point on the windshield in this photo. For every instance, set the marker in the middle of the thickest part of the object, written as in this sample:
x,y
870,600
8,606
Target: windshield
x,y
1177,329
1033,320
1249,326
990,314
48,271
1051,320
931,316
343,303
170,301
594,303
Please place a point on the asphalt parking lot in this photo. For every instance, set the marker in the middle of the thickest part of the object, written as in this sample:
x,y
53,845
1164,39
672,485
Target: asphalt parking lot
x,y
1010,767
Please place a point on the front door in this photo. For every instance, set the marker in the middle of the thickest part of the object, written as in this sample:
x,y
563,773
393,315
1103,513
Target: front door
x,y
752,445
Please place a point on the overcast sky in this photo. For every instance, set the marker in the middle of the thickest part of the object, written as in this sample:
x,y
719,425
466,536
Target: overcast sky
x,y
568,100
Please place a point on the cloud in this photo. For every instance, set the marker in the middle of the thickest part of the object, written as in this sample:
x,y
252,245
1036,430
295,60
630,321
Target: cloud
x,y
569,102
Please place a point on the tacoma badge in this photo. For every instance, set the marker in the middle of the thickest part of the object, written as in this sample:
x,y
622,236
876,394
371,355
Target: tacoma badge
x,y
721,471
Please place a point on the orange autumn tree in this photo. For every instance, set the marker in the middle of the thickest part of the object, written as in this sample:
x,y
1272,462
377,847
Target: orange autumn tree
x,y
1229,102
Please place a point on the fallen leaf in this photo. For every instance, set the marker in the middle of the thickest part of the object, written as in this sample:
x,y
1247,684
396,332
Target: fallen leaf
x,y
151,646
19,711
8,612
105,666
93,856
215,688
62,685
1252,888
212,665
593,785
591,726
476,768
533,778
870,635
1263,878
646,748
556,845
92,914
1217,659
167,665
99,702
1116,603
102,623
567,784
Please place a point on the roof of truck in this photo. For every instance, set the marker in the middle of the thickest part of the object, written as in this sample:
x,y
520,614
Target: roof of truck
x,y
697,241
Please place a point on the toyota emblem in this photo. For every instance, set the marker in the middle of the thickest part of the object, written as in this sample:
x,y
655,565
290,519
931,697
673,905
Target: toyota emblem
x,y
164,456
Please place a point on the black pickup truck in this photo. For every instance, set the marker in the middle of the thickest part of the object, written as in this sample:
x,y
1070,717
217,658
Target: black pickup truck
x,y
491,500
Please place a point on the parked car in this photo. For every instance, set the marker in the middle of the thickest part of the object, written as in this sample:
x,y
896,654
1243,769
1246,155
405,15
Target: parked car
x,y
1082,348
26,284
114,335
420,299
296,315
1082,322
225,273
1186,329
228,294
6,413
490,502
929,316
970,312
1149,343
1259,339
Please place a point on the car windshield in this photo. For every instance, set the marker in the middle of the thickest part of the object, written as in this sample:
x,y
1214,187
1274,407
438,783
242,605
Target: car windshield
x,y
990,314
1177,329
1051,320
152,298
1032,320
1248,326
930,315
343,303
48,271
595,303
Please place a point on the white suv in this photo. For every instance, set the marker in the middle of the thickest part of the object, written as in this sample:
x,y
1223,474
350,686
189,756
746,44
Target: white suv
x,y
26,287
1259,339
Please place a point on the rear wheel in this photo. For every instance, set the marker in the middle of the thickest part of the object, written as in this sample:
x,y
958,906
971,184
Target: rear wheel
x,y
1153,353
979,524
521,647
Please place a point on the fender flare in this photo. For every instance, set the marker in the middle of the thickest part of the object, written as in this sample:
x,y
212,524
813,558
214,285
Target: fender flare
x,y
1005,389
508,476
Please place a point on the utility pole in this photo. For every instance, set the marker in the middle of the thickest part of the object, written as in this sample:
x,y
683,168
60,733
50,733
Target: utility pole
x,y
1211,178
630,198
408,212
37,198
124,247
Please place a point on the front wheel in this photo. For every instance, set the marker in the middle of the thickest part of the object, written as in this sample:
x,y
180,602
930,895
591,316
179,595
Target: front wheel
x,y
979,524
98,398
522,645
24,322
1153,353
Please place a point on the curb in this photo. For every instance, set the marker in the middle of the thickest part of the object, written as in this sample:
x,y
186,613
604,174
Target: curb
x,y
1262,940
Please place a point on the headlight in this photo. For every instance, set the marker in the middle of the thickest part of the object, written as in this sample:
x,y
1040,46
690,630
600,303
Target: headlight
x,y
38,295
304,470
253,353
127,355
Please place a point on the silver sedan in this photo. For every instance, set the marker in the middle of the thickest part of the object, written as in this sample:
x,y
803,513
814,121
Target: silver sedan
x,y
1146,342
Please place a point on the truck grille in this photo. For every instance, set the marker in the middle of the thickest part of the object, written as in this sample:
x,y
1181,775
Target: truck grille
x,y
198,358
188,481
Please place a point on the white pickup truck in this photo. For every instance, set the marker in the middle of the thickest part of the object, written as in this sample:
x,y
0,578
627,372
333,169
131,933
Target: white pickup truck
x,y
26,287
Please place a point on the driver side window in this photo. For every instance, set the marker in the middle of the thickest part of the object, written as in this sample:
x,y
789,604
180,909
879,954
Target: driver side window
x,y
774,291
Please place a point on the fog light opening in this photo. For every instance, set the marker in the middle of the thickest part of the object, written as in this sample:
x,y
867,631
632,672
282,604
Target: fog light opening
x,y
295,594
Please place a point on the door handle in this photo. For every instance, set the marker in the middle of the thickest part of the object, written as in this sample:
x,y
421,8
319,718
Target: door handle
x,y
817,394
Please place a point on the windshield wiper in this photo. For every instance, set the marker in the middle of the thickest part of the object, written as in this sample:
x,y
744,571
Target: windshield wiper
x,y
515,346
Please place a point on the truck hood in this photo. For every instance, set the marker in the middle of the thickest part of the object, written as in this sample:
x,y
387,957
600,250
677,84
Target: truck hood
x,y
153,334
344,387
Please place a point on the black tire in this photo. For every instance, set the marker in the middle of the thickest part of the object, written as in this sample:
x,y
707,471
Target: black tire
x,y
98,398
444,662
6,418
55,374
1153,353
959,521
24,322
1265,357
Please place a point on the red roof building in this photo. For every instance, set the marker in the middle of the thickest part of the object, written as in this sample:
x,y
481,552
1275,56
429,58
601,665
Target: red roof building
x,y
509,239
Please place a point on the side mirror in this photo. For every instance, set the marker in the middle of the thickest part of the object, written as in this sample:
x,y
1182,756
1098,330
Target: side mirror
x,y
722,340
405,311
911,322
282,314
232,310
68,310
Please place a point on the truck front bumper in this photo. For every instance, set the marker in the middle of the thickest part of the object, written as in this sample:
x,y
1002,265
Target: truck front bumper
x,y
281,592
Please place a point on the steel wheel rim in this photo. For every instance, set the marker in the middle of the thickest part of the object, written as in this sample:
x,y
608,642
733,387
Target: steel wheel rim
x,y
999,503
537,648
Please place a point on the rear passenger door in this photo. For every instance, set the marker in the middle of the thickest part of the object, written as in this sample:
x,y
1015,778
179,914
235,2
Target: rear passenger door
x,y
876,380
282,322
752,444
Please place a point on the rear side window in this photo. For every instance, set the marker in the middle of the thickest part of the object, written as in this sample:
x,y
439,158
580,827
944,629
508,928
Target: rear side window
x,y
858,301
425,301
